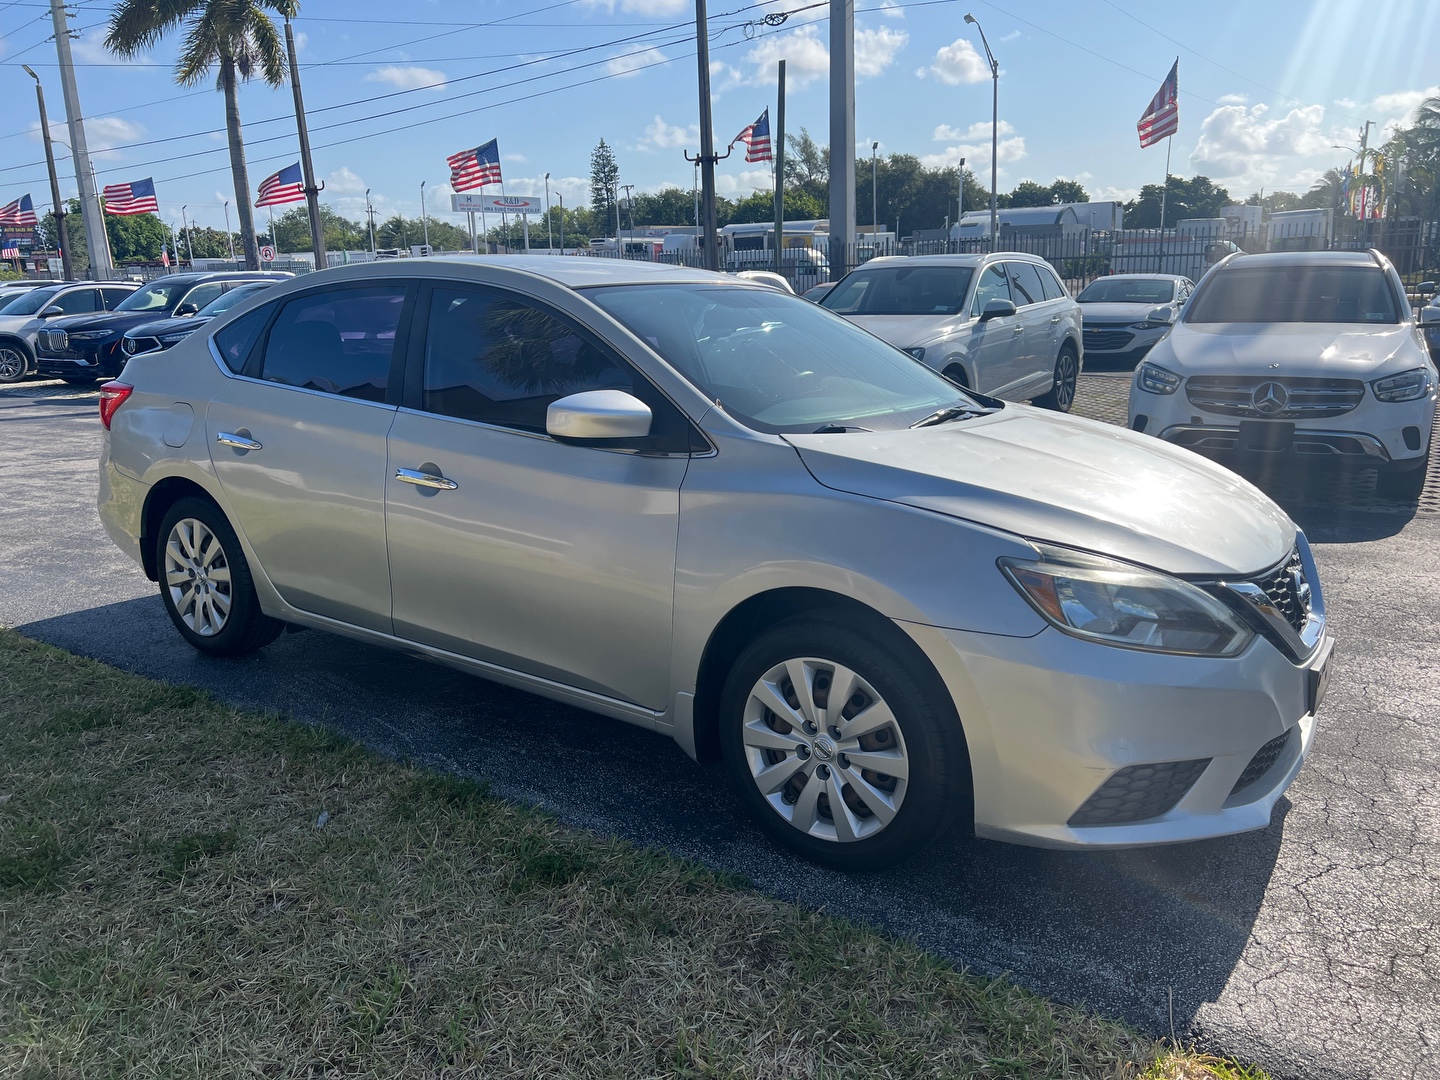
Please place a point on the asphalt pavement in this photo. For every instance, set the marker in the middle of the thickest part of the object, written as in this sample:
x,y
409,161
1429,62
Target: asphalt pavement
x,y
1309,947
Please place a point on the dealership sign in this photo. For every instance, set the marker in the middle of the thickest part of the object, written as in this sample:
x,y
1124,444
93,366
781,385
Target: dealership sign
x,y
462,202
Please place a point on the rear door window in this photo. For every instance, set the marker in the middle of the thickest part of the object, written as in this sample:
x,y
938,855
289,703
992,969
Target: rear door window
x,y
337,341
235,340
1025,284
1053,289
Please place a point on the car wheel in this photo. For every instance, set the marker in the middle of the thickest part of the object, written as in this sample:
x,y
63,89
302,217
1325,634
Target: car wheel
x,y
206,584
846,750
14,362
1067,375
1404,486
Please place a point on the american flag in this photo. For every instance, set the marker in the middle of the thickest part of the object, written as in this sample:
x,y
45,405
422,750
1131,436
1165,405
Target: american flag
x,y
136,197
285,186
756,138
9,253
164,256
472,169
1162,118
19,214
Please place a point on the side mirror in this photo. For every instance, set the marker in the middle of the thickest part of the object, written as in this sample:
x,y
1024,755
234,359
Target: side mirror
x,y
1161,314
599,416
1425,288
185,309
997,309
1430,315
1215,252
50,313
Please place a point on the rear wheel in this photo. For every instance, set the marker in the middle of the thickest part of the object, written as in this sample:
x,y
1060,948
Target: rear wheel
x,y
1067,376
845,749
14,362
206,584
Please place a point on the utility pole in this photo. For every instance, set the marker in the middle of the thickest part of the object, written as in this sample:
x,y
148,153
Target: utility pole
x,y
108,257
228,234
560,198
312,190
630,207
100,266
61,240
842,133
549,230
370,216
185,224
995,139
780,174
707,158
424,221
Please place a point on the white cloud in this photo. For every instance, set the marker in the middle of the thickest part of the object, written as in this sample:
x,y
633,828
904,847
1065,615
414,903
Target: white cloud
x,y
89,48
1234,99
1013,35
805,55
743,183
977,156
1113,194
891,9
408,77
1247,148
976,131
662,136
875,50
633,60
1404,102
642,7
102,134
958,63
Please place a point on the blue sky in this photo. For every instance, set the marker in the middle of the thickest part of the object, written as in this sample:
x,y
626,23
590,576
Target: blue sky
x,y
1265,89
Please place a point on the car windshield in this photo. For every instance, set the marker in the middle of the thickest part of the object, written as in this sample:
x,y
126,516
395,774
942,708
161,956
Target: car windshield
x,y
30,301
157,296
1127,291
225,301
901,290
776,362
1295,294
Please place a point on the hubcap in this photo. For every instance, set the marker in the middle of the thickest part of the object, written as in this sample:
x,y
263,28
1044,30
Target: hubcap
x,y
1065,381
197,574
825,750
12,365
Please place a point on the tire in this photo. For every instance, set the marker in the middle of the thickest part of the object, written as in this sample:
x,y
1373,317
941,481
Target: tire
x,y
15,362
766,754
223,617
1062,388
1404,486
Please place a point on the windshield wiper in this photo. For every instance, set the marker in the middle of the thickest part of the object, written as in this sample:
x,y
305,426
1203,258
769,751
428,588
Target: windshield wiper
x,y
837,429
950,412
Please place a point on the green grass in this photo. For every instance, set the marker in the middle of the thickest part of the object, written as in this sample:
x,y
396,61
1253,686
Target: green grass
x,y
172,905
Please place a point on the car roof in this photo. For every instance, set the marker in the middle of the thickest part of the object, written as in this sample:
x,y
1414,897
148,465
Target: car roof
x,y
1304,258
959,259
1140,277
198,276
574,271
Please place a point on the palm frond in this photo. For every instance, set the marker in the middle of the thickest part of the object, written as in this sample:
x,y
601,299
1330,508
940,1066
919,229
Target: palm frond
x,y
267,51
136,25
203,47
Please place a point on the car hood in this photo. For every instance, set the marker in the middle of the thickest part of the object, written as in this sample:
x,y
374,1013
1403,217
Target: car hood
x,y
104,320
168,326
14,324
1068,481
1325,350
905,331
1116,313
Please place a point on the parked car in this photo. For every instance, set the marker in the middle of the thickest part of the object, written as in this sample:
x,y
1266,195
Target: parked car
x,y
1126,314
719,512
1001,324
1309,356
31,310
766,277
83,348
10,289
817,293
1430,321
159,335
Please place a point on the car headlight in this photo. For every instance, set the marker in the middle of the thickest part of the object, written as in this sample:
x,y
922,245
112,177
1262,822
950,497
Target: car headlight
x,y
1407,386
91,335
171,339
1148,325
1115,603
1154,379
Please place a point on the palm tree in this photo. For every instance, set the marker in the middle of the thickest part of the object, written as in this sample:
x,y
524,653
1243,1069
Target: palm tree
x,y
235,35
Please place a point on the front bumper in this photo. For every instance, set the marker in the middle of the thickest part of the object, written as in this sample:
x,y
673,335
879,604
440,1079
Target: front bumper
x,y
1050,720
96,359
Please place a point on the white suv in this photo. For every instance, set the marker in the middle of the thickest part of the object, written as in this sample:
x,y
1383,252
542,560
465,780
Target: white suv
x,y
1310,355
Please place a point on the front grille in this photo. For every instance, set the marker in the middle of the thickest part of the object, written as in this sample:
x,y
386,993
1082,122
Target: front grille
x,y
1108,340
1138,793
53,340
1283,588
1263,761
1268,398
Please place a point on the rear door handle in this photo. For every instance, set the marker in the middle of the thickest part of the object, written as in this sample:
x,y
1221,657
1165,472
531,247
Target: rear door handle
x,y
240,442
425,480
1019,328
1054,318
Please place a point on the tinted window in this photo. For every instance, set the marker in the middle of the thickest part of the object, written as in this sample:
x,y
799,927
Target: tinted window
x,y
1025,284
157,296
29,301
1295,294
232,297
112,298
340,341
901,290
495,359
203,294
1128,291
1053,289
235,340
777,362
992,286
78,301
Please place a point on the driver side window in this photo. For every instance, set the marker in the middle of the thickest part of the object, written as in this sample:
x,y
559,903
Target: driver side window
x,y
992,286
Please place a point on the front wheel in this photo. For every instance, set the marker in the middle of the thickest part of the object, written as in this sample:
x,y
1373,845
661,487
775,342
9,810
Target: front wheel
x,y
206,583
1404,486
845,749
14,362
1067,375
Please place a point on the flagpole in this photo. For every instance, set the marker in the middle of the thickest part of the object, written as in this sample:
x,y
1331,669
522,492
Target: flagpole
x,y
1164,189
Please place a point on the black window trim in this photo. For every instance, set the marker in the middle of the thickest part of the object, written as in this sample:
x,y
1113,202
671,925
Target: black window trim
x,y
413,396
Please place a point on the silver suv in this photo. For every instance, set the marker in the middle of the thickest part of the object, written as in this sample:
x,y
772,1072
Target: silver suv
x,y
1002,324
722,513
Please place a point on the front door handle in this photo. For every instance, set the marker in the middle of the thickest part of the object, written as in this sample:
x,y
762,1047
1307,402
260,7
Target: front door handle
x,y
1054,318
1019,328
240,442
425,480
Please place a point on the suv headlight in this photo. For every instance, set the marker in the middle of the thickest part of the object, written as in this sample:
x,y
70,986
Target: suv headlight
x,y
172,339
91,335
1115,603
1407,386
1154,379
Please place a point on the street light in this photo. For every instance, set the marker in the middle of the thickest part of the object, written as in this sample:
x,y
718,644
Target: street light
x,y
185,224
370,217
560,195
994,130
549,233
424,222
874,198
61,240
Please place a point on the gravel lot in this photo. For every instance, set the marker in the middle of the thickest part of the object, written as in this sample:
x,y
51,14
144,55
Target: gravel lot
x,y
1308,947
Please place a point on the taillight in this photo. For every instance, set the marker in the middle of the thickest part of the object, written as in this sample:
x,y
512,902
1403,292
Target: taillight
x,y
112,396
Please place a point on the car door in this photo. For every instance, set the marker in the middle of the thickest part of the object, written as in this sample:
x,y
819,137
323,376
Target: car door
x,y
298,444
1042,322
80,301
553,559
994,345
